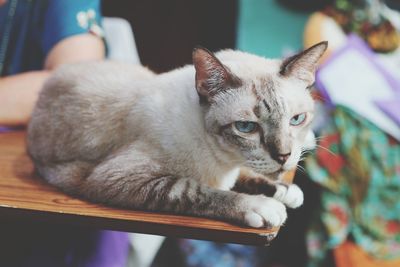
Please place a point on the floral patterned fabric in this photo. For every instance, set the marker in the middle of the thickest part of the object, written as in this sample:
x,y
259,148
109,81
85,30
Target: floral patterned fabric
x,y
205,253
358,169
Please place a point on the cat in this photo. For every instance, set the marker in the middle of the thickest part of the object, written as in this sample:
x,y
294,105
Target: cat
x,y
210,139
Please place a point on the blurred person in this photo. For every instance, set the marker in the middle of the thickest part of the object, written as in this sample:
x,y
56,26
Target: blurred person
x,y
36,37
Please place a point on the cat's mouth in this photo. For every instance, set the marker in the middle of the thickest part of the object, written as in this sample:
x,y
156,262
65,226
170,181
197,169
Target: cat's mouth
x,y
269,169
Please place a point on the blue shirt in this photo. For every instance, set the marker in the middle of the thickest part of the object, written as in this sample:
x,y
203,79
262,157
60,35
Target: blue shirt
x,y
29,29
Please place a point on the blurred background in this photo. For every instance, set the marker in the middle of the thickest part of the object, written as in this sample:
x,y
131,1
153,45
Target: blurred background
x,y
351,215
351,181
354,173
167,31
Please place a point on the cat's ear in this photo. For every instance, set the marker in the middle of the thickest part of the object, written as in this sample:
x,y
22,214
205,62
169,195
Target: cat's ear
x,y
304,64
211,75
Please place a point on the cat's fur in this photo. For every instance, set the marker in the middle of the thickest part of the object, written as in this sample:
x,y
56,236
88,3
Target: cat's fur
x,y
124,136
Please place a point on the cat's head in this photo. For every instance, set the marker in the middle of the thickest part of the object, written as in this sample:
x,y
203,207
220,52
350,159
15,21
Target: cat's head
x,y
259,110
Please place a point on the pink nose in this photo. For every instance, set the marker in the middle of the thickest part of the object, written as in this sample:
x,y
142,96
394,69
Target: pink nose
x,y
282,158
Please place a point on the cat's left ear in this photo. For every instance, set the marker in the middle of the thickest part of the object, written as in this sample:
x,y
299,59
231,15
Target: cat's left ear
x,y
211,75
304,64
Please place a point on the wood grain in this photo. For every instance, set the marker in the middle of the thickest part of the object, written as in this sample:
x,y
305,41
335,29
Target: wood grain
x,y
26,197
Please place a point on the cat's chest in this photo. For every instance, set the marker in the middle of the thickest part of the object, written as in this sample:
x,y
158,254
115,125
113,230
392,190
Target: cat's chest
x,y
225,180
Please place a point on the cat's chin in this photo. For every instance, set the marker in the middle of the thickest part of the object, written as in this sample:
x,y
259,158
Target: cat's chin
x,y
277,174
273,175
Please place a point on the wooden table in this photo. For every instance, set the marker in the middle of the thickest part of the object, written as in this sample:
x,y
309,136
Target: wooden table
x,y
25,197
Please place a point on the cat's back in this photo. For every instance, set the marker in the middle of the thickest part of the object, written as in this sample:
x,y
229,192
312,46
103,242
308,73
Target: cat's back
x,y
97,78
84,105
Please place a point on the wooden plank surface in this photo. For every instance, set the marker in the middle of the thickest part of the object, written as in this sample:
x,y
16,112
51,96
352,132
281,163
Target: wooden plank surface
x,y
26,197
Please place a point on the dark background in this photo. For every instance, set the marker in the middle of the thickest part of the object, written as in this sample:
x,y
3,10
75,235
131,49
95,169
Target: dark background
x,y
167,31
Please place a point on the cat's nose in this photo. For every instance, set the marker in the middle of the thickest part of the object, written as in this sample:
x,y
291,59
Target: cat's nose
x,y
282,158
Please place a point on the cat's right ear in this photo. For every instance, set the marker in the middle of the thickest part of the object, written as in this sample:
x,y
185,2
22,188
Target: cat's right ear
x,y
211,75
304,64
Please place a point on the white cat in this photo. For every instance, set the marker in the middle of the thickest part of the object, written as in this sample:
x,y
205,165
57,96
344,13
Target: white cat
x,y
209,139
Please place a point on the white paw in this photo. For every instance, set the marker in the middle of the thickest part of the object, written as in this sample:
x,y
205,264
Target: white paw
x,y
291,195
261,211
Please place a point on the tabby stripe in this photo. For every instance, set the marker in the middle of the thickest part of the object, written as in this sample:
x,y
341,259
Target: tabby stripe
x,y
266,105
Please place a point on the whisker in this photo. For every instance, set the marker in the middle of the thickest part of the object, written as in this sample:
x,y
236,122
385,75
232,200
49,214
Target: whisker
x,y
306,151
301,169
321,137
305,154
326,149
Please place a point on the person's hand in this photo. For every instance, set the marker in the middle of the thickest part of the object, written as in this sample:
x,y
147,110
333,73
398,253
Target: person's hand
x,y
18,93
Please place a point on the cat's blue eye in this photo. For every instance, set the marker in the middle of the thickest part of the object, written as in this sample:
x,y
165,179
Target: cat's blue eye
x,y
298,119
246,126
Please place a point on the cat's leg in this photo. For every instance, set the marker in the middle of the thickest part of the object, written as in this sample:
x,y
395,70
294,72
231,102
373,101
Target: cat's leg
x,y
132,180
255,184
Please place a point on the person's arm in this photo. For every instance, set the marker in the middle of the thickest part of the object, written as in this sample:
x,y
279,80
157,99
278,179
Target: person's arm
x,y
18,93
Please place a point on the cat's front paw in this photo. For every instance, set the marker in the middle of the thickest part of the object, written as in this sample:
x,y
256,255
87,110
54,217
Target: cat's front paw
x,y
261,211
289,194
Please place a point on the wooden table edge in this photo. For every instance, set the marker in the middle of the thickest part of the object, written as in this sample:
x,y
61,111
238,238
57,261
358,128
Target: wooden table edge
x,y
56,207
256,238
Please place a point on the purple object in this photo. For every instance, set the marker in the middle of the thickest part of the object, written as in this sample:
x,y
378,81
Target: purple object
x,y
355,42
361,93
111,251
4,129
62,245
33,244
391,107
